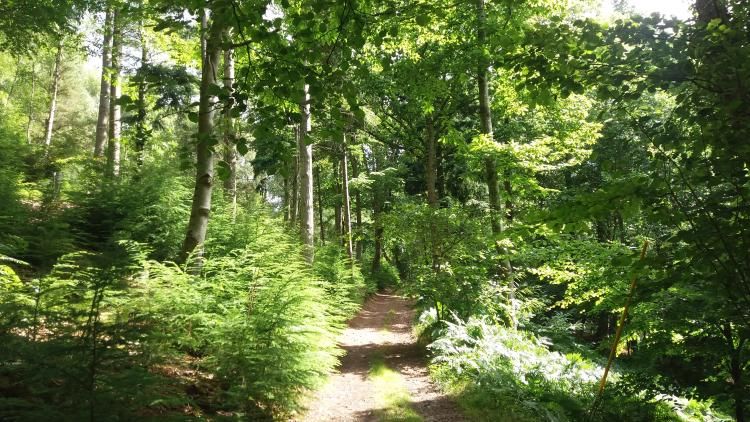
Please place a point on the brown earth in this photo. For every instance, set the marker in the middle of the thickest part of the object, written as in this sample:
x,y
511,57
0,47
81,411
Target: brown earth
x,y
382,329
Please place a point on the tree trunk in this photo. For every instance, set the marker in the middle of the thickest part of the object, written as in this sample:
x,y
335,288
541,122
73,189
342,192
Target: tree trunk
x,y
141,135
286,198
102,120
493,187
31,102
230,150
377,211
347,201
320,207
358,213
56,73
293,205
430,180
201,208
113,145
337,204
307,214
430,170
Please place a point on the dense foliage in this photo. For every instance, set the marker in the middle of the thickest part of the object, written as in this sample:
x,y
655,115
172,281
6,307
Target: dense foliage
x,y
197,195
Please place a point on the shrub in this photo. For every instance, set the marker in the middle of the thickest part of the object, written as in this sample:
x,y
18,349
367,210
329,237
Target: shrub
x,y
508,375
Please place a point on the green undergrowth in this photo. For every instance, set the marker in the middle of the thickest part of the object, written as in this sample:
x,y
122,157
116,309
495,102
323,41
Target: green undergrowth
x,y
393,397
500,374
113,334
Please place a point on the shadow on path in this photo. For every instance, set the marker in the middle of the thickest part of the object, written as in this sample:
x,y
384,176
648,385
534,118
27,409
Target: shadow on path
x,y
381,330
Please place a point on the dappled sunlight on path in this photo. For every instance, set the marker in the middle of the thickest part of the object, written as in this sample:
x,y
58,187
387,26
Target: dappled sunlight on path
x,y
382,330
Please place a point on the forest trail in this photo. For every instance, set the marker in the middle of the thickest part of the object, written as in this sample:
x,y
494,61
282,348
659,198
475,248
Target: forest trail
x,y
384,375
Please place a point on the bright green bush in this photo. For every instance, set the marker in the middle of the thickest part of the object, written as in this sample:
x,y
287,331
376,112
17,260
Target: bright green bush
x,y
74,347
502,374
342,279
116,332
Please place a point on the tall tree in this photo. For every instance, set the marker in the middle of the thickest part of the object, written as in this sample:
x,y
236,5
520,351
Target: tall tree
x,y
204,177
102,120
347,200
115,122
54,88
140,126
230,150
305,157
490,164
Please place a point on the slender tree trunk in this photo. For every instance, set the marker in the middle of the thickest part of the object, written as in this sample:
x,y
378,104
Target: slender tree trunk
x,y
115,124
230,150
358,213
102,120
286,198
430,180
201,208
293,206
31,102
337,205
54,88
141,135
430,168
377,211
305,150
320,207
485,117
347,201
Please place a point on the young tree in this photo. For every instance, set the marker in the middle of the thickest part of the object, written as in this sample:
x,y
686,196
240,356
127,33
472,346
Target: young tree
x,y
54,88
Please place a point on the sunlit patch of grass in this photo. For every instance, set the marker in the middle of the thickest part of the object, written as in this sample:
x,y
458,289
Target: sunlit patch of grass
x,y
393,397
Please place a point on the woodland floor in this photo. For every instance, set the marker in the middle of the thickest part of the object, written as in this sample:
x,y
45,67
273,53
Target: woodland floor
x,y
381,336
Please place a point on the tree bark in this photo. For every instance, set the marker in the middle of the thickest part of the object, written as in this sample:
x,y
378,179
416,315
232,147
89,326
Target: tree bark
x,y
201,208
493,188
358,214
337,205
286,198
305,150
294,204
102,120
113,144
56,73
378,200
31,102
347,201
430,180
230,150
320,207
141,135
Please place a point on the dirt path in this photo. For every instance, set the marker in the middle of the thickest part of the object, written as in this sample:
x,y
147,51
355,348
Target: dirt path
x,y
381,331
